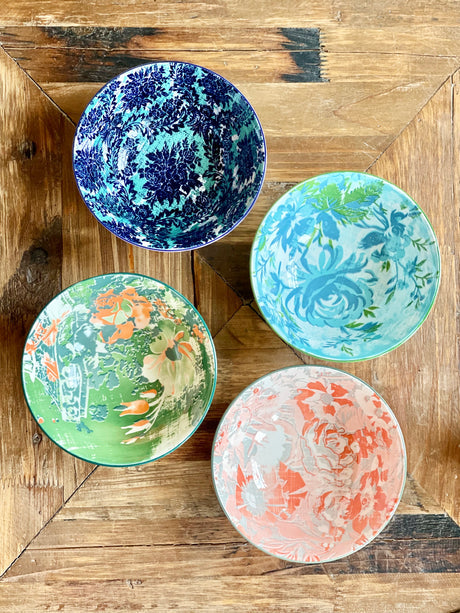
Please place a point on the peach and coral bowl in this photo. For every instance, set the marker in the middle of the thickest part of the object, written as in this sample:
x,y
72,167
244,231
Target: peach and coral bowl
x,y
309,464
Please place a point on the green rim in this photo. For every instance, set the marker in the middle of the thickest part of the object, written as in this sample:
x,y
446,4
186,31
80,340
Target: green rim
x,y
347,359
211,394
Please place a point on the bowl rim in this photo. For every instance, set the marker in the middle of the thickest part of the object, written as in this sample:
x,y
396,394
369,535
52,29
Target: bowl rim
x,y
395,421
205,411
347,358
219,76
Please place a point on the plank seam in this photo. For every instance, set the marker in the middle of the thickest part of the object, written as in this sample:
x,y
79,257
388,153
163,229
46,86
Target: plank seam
x,y
49,521
245,301
442,84
67,117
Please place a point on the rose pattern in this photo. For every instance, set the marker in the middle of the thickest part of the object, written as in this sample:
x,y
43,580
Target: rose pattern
x,y
337,466
157,139
345,266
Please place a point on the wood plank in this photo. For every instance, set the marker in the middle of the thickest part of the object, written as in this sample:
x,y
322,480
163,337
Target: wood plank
x,y
37,477
143,13
436,593
214,299
51,64
187,37
100,65
420,379
415,552
223,594
426,38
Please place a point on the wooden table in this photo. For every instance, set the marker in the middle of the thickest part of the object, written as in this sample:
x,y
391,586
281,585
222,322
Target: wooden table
x,y
338,84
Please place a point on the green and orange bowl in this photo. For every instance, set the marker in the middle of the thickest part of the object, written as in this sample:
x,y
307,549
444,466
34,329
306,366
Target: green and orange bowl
x,y
119,369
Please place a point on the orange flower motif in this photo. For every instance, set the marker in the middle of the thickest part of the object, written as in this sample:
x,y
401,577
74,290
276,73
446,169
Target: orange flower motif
x,y
31,347
127,312
149,394
129,441
329,397
368,508
47,335
198,333
52,371
139,426
171,360
50,333
141,307
163,309
136,407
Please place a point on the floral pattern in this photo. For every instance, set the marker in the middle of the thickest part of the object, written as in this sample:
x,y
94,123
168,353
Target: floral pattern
x,y
345,266
169,156
309,463
119,369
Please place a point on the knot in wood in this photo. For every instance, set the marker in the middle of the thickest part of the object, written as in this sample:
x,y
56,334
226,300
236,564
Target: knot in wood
x,y
36,438
27,149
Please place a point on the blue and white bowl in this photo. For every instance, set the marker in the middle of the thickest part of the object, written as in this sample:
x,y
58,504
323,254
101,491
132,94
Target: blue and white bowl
x,y
169,156
345,266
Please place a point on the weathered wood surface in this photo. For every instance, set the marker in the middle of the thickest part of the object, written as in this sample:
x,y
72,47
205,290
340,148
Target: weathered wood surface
x,y
36,476
341,85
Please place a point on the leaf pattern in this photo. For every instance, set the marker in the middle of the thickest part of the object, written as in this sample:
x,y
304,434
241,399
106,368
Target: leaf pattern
x,y
309,463
169,156
345,266
109,350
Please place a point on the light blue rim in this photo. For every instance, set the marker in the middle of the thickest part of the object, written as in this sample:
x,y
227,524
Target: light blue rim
x,y
345,359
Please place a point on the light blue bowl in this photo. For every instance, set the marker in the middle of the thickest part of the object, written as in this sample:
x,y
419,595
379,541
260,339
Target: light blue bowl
x,y
169,156
345,266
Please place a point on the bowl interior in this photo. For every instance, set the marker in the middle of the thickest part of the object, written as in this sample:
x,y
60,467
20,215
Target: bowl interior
x,y
169,156
309,464
345,266
119,369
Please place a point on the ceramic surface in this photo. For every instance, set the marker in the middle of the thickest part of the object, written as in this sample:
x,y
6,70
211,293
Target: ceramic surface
x,y
345,266
309,464
169,156
119,369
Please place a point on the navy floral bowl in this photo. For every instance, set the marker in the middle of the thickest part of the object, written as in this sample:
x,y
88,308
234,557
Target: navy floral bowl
x,y
169,156
345,266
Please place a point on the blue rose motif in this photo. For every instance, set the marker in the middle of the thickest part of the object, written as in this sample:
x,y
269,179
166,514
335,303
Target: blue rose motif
x,y
89,168
141,88
327,294
171,173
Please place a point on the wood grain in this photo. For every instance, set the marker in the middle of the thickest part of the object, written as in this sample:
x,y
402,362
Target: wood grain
x,y
143,13
37,477
317,594
95,65
188,36
420,379
214,299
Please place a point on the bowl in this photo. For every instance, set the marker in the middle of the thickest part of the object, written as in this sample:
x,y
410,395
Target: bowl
x,y
345,266
119,369
309,464
169,156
